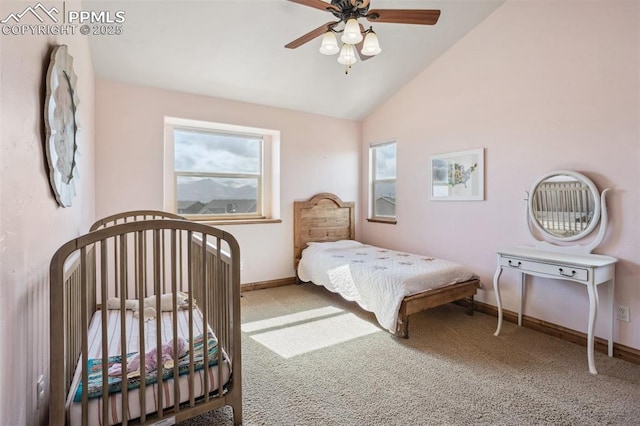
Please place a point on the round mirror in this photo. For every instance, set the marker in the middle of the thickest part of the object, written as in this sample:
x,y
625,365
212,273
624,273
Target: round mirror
x,y
564,205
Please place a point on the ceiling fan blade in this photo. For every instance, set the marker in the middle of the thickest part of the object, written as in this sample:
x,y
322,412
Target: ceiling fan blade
x,y
404,16
360,4
359,46
317,4
311,35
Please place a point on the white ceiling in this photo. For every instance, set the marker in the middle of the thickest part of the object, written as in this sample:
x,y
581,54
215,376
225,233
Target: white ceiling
x,y
235,50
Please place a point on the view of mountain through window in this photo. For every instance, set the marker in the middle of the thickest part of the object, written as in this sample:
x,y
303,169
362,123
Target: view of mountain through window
x,y
217,174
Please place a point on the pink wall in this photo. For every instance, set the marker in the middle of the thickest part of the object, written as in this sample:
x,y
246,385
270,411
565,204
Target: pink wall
x,y
317,154
541,86
32,226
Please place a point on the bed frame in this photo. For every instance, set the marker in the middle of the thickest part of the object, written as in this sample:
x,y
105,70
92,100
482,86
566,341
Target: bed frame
x,y
135,255
325,217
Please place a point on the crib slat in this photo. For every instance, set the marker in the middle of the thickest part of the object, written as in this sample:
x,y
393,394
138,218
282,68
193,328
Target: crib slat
x,y
123,331
116,270
164,270
141,347
554,204
220,329
181,262
158,262
136,295
205,316
190,290
174,305
145,263
105,354
562,207
576,226
85,344
583,207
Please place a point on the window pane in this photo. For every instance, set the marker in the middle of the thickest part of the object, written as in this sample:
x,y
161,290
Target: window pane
x,y
216,196
209,152
385,166
384,199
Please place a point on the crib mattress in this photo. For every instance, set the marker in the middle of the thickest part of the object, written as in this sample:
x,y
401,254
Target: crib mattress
x,y
74,409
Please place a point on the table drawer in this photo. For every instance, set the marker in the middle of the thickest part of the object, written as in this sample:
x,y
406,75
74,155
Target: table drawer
x,y
555,271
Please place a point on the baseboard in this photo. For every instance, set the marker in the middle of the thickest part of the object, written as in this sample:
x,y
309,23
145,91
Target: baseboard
x,y
267,284
619,351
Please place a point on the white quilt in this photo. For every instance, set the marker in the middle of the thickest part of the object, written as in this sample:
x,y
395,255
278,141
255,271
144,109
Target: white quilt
x,y
376,278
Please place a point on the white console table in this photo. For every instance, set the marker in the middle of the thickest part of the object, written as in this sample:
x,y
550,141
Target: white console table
x,y
588,269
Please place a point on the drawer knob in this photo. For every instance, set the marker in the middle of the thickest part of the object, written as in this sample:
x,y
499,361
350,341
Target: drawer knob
x,y
573,273
515,265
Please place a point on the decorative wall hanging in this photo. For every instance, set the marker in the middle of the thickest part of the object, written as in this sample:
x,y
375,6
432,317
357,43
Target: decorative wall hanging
x,y
458,175
61,103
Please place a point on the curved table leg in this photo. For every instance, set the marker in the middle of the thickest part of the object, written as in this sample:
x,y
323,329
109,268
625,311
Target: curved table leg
x,y
496,289
593,311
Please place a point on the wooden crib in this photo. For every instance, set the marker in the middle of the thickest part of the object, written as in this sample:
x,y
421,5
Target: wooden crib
x,y
172,286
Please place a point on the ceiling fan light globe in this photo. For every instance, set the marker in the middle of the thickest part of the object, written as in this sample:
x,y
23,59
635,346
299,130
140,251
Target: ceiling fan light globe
x,y
351,34
371,45
329,45
347,55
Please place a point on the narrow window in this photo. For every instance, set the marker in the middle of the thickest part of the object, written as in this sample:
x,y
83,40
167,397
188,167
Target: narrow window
x,y
383,181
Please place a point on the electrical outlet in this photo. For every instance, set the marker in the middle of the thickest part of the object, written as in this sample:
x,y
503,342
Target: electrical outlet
x,y
40,391
623,313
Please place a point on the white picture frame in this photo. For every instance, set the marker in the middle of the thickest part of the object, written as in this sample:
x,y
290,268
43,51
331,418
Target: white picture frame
x,y
457,176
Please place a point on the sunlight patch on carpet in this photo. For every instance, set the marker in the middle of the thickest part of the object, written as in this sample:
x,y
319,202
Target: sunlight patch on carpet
x,y
312,333
250,327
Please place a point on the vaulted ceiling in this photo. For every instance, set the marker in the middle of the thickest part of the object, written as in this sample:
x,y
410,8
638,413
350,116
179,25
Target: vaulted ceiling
x,y
235,50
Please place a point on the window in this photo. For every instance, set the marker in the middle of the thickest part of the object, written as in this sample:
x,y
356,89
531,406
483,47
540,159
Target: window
x,y
383,181
220,172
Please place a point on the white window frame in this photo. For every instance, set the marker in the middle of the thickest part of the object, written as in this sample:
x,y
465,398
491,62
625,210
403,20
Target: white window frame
x,y
269,180
373,215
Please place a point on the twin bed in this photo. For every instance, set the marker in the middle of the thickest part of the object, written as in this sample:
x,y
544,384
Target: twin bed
x,y
152,303
391,284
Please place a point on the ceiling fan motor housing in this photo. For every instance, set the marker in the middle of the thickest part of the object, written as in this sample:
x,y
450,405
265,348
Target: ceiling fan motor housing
x,y
348,10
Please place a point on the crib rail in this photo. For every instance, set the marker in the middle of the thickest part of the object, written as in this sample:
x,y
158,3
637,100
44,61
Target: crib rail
x,y
138,260
133,216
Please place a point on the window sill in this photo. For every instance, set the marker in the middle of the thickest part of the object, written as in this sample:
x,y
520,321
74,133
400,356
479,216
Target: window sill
x,y
388,221
237,221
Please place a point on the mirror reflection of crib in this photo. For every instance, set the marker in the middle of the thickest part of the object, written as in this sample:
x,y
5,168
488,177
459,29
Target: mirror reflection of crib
x,y
563,207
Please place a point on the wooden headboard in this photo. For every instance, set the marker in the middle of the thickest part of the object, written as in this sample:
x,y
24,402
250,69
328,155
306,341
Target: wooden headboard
x,y
324,217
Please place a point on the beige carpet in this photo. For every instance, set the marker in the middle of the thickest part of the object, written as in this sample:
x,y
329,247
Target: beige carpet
x,y
309,358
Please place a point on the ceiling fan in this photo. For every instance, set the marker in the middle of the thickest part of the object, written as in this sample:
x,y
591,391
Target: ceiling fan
x,y
355,38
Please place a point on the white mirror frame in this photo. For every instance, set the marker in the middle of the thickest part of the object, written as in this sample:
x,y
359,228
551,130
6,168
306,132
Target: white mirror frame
x,y
599,216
